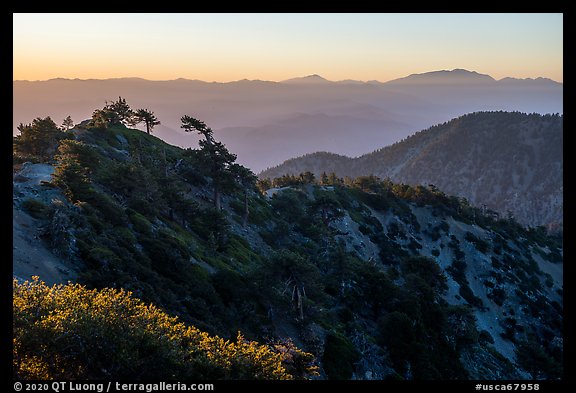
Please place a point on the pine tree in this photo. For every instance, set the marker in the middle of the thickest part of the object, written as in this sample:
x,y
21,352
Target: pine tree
x,y
146,116
40,138
67,123
246,179
121,110
215,154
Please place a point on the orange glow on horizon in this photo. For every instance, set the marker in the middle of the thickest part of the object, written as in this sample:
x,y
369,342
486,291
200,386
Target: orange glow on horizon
x,y
229,47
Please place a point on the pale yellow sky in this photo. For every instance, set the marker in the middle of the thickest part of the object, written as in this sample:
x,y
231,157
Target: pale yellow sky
x,y
225,47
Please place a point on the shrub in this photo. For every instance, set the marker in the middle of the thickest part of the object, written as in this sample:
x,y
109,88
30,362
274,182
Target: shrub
x,y
70,332
481,245
35,208
443,226
469,296
458,271
485,337
339,357
414,245
549,280
110,211
237,207
533,357
498,295
366,231
427,269
435,235
140,223
38,139
488,284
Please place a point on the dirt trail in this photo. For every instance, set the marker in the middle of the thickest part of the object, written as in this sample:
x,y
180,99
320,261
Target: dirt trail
x,y
30,255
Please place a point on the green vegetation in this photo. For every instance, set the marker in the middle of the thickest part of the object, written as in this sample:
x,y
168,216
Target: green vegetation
x,y
533,358
458,272
147,117
481,245
339,357
70,332
35,208
38,140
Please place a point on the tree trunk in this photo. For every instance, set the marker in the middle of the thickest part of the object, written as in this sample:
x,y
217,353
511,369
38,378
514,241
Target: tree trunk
x,y
165,164
300,306
246,212
217,203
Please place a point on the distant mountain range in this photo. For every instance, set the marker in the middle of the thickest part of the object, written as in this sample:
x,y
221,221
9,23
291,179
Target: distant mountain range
x,y
510,162
456,76
268,122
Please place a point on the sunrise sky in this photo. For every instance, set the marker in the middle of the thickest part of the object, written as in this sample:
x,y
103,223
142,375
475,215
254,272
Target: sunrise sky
x,y
227,47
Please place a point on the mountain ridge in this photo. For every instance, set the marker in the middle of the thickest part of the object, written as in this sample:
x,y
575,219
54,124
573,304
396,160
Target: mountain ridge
x,y
315,78
455,76
519,147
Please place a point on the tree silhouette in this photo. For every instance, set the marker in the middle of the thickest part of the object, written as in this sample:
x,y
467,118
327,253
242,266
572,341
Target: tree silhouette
x,y
114,113
218,158
67,123
191,124
146,116
121,110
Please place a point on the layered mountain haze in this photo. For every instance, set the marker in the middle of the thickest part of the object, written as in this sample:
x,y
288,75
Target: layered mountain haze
x,y
510,162
260,119
303,133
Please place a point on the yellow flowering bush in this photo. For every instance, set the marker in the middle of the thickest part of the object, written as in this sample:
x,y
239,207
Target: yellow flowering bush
x,y
71,332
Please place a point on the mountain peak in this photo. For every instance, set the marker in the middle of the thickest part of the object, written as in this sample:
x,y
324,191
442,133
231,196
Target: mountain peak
x,y
529,81
309,79
455,76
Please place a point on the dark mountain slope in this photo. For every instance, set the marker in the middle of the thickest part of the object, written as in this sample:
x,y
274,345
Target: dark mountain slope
x,y
510,162
377,280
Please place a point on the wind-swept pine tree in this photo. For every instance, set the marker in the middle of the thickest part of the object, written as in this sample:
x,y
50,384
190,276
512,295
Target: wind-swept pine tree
x,y
146,116
216,154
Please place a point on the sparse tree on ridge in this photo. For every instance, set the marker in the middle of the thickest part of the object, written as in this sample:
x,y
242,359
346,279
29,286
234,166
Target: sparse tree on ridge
x,y
121,109
334,180
219,158
67,123
190,124
307,177
114,113
146,116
